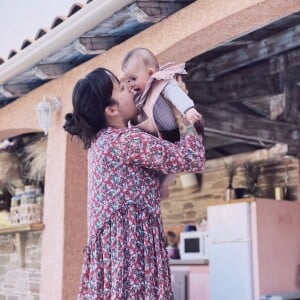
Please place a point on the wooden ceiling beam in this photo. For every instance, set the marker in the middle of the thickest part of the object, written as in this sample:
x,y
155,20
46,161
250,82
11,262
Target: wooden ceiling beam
x,y
291,90
154,11
214,141
234,88
294,58
275,153
51,71
276,44
249,127
18,90
270,106
6,93
98,44
267,67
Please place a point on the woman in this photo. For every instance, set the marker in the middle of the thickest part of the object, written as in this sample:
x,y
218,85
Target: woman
x,y
126,256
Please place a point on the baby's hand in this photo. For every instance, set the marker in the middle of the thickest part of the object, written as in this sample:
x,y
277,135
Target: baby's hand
x,y
193,115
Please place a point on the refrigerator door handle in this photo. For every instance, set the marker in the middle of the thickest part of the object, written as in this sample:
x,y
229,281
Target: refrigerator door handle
x,y
238,240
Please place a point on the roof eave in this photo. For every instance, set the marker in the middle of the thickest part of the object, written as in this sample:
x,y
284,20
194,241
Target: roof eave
x,y
85,19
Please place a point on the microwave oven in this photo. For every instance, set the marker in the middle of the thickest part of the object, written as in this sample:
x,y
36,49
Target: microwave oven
x,y
193,245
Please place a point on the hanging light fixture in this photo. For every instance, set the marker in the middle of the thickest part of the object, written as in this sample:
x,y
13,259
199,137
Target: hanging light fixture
x,y
44,111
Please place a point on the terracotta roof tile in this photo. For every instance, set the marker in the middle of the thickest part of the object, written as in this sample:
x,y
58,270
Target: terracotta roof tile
x,y
74,9
12,53
57,21
40,33
26,43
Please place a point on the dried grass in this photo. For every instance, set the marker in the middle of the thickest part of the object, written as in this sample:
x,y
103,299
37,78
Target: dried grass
x,y
34,160
10,171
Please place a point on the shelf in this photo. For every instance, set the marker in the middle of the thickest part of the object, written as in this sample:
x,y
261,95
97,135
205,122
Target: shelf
x,y
22,228
239,200
20,237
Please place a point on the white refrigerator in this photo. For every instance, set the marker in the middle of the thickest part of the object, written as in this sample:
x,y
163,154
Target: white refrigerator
x,y
254,249
230,254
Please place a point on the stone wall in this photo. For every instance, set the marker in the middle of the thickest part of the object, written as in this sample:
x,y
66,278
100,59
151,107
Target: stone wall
x,y
188,206
18,283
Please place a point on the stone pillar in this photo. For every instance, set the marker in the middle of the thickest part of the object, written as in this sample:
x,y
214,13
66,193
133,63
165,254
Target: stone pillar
x,y
298,180
64,216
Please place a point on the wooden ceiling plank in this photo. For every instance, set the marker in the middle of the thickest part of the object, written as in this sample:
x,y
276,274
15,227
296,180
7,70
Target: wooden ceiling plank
x,y
275,65
100,43
294,58
18,90
257,51
156,10
291,109
234,88
249,127
270,106
275,153
6,93
51,71
214,141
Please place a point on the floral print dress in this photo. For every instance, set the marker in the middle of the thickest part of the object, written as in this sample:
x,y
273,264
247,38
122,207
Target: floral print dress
x,y
125,257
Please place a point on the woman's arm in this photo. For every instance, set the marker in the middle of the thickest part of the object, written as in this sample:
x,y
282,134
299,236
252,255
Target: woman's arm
x,y
150,152
185,127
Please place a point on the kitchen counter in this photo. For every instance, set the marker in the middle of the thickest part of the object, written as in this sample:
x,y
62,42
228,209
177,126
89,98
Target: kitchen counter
x,y
185,262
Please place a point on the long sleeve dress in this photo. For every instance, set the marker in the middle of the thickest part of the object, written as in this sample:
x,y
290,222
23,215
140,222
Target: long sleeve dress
x,y
126,257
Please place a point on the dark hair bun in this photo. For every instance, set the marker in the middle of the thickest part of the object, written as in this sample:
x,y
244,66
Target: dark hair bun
x,y
72,125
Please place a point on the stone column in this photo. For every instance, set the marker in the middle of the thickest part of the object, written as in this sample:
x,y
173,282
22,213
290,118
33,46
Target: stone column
x,y
64,216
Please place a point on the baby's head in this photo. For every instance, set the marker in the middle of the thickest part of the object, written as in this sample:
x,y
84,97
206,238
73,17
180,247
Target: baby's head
x,y
138,65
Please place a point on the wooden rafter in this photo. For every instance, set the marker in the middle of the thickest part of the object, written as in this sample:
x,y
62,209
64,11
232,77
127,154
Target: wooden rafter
x,y
51,71
93,44
249,128
278,43
275,153
18,90
234,88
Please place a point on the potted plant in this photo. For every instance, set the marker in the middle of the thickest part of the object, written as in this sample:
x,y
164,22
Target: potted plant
x,y
230,171
252,172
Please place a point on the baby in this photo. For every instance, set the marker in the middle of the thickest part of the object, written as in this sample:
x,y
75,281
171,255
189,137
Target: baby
x,y
158,95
